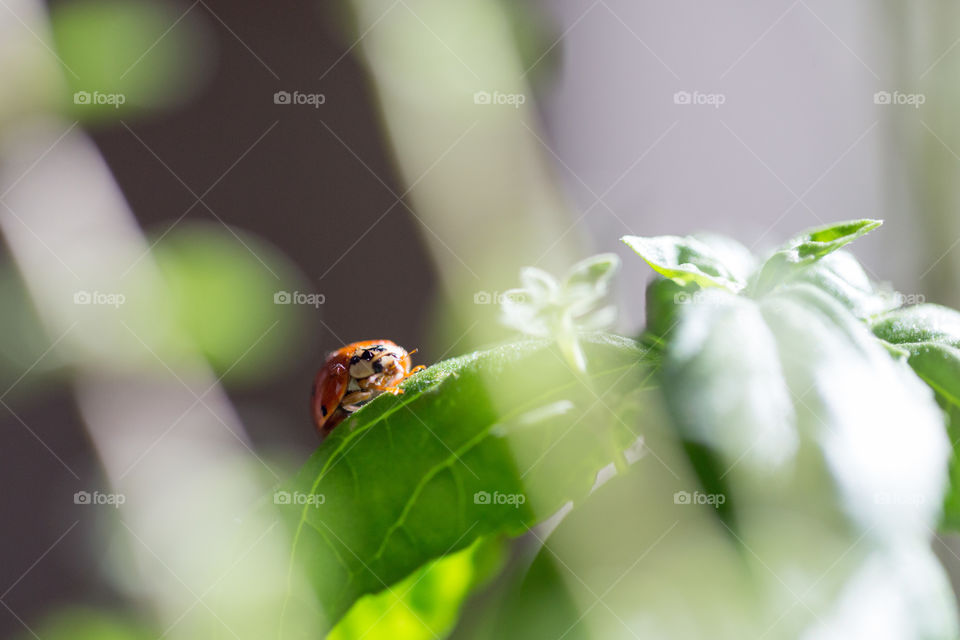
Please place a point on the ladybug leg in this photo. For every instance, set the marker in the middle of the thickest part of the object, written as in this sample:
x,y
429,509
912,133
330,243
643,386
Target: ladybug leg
x,y
416,369
392,389
353,400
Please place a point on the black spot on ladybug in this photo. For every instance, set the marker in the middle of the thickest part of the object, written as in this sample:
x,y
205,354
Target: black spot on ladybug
x,y
323,410
356,359
378,366
368,354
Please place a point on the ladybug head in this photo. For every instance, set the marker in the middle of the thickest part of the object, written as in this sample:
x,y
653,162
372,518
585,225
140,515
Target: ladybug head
x,y
384,362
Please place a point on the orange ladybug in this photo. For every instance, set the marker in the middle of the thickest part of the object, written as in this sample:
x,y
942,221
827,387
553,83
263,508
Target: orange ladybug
x,y
355,375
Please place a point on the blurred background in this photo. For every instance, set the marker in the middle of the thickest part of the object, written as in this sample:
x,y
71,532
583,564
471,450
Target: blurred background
x,y
198,200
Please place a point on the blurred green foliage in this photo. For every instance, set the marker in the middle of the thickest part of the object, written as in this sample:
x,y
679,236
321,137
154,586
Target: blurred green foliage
x,y
224,287
151,53
22,338
89,624
426,603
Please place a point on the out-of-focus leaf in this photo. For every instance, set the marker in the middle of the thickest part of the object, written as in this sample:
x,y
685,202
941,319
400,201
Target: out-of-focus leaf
x,y
891,481
918,602
492,442
22,338
854,493
840,275
664,302
545,308
245,320
919,323
123,55
951,504
591,276
685,260
724,384
638,560
816,243
87,624
540,285
734,256
808,247
930,334
425,604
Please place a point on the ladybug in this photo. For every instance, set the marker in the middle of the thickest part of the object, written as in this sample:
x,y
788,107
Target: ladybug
x,y
353,376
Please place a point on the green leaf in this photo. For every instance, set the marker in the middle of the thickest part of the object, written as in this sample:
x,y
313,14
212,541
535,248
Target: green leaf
x,y
592,275
226,300
734,256
840,275
930,334
492,442
666,569
919,323
861,399
939,366
75,623
539,285
425,604
101,42
951,504
851,496
723,381
665,300
808,247
543,308
742,377
684,260
816,243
